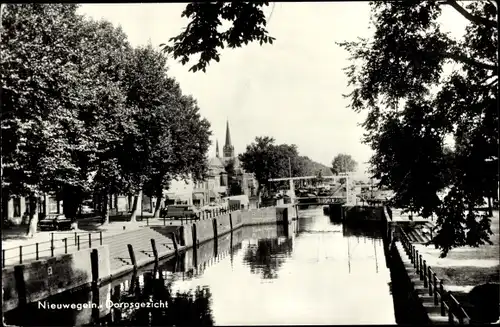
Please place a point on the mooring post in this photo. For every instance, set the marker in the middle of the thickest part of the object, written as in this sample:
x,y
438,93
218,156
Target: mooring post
x,y
100,237
37,252
175,243
155,252
66,245
78,242
132,256
90,240
94,262
214,223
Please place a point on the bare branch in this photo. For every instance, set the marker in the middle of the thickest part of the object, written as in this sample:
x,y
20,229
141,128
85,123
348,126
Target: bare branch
x,y
466,60
473,18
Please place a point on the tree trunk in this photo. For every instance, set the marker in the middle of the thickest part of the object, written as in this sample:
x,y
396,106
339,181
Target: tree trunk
x,y
33,222
159,197
133,216
105,210
490,208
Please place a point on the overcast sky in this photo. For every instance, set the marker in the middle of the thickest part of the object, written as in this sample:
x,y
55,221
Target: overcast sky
x,y
291,90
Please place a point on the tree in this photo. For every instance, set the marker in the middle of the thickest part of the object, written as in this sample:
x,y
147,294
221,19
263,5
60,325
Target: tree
x,y
412,107
203,36
398,77
343,163
38,76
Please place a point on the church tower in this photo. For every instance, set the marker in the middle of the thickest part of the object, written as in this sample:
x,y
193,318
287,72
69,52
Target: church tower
x,y
228,150
217,148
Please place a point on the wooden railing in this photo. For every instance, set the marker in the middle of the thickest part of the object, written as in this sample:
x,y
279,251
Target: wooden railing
x,y
445,299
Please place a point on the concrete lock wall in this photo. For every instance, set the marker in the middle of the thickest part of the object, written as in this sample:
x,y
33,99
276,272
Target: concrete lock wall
x,y
204,230
235,219
223,224
259,216
40,279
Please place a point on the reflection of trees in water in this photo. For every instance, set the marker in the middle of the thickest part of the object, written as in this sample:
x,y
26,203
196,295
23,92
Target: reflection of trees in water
x,y
191,308
267,256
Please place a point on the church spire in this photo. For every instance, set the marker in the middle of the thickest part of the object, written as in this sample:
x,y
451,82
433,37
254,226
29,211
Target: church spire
x,y
217,148
228,135
228,150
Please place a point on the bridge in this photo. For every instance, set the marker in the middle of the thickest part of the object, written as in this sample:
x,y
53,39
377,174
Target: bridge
x,y
319,200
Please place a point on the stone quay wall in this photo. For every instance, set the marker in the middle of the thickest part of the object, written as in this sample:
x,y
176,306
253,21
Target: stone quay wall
x,y
37,280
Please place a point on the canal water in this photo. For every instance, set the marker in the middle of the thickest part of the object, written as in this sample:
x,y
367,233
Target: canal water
x,y
313,271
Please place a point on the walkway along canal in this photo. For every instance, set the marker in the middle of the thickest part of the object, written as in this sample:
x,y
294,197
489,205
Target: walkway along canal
x,y
311,271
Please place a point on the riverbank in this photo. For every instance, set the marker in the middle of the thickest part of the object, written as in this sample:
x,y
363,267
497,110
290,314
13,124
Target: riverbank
x,y
126,252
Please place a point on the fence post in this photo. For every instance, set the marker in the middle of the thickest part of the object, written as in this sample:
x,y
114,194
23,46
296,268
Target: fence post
x,y
414,257
421,272
65,245
425,273
75,239
441,296
416,260
36,250
20,254
435,289
51,244
100,237
450,311
90,240
78,242
3,258
429,280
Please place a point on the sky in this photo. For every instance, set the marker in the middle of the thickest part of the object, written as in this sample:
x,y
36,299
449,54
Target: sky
x,y
291,90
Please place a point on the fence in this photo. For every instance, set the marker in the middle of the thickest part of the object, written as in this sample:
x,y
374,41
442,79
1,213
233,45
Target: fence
x,y
445,299
76,241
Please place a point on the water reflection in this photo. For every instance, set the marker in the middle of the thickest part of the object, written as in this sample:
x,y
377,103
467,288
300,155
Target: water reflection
x,y
267,256
309,272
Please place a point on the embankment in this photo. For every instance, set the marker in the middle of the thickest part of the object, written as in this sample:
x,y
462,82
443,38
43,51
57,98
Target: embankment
x,y
37,280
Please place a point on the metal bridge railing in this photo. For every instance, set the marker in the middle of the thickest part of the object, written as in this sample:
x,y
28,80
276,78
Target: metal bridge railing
x,y
445,299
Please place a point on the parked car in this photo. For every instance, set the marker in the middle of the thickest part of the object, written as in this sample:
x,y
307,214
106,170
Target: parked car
x,y
87,209
181,211
55,222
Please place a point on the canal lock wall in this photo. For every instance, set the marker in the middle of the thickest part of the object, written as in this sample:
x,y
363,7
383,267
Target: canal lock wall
x,y
37,280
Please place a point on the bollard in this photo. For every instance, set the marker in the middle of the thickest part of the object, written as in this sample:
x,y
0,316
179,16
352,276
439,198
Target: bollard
x,y
425,274
90,240
132,256
65,245
37,252
78,242
155,252
441,296
100,237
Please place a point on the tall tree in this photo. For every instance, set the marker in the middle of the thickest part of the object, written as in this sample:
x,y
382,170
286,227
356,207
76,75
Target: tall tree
x,y
343,163
413,107
39,78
